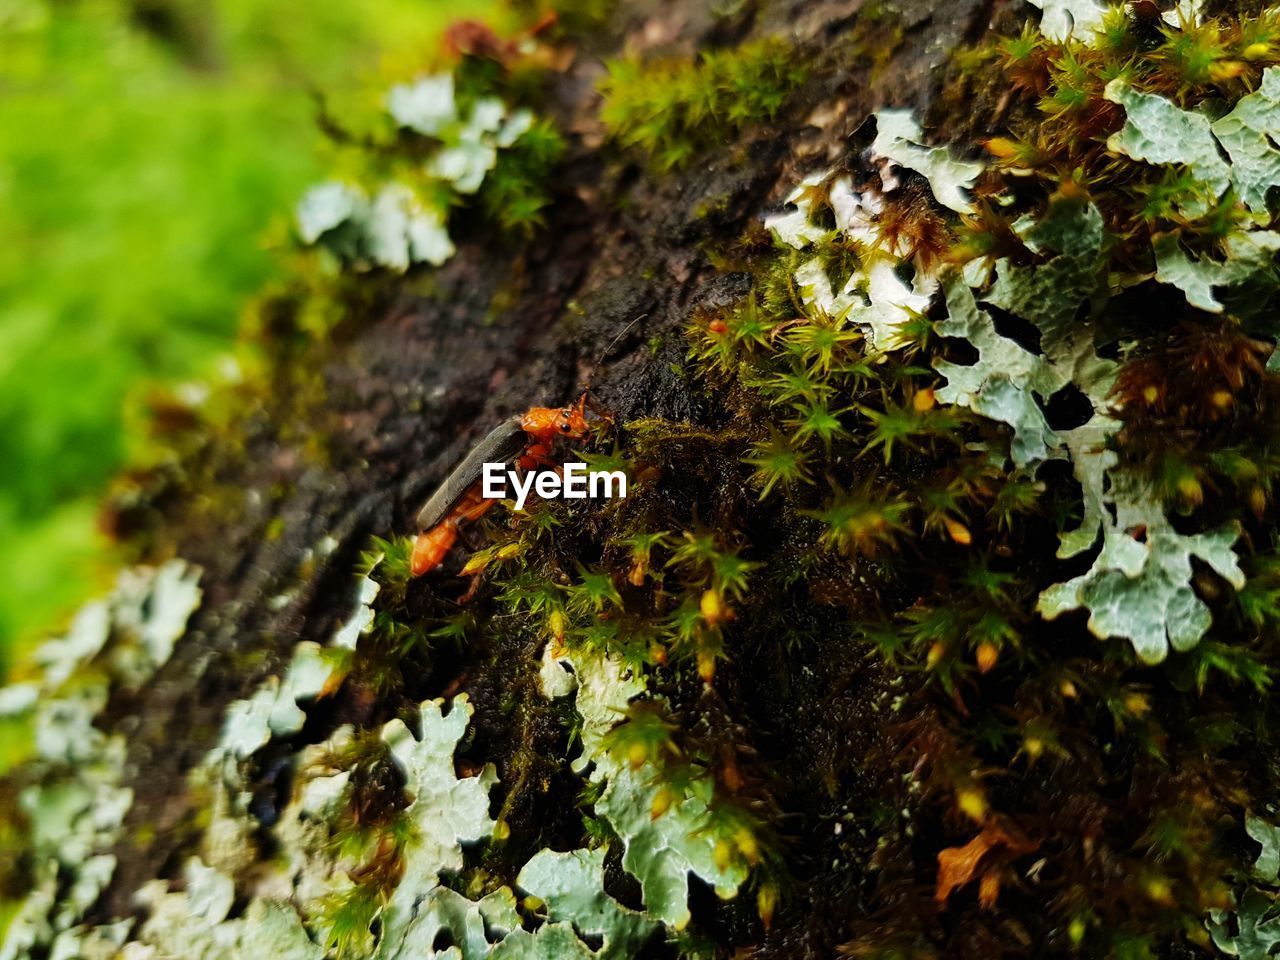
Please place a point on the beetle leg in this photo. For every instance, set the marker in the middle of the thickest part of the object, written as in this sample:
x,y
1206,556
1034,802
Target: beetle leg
x,y
474,511
471,590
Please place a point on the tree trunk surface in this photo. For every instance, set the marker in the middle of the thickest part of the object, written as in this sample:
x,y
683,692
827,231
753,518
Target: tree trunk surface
x,y
276,503
423,378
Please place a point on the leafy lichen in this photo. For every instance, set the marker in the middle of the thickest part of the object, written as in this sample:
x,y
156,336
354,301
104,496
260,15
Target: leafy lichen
x,y
452,138
445,812
660,851
76,800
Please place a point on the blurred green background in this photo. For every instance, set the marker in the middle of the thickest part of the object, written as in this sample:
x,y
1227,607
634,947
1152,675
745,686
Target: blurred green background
x,y
145,149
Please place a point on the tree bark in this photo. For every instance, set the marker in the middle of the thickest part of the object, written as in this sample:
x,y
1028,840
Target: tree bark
x,y
358,429
419,379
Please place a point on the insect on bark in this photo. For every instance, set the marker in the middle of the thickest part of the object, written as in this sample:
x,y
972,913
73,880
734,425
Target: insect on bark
x,y
527,440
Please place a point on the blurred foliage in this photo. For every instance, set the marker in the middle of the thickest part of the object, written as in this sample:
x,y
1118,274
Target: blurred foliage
x,y
147,148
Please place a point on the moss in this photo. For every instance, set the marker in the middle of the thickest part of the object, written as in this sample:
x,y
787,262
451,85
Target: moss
x,y
514,196
670,110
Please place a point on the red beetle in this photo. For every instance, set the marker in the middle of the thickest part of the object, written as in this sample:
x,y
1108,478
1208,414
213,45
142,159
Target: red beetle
x,y
526,439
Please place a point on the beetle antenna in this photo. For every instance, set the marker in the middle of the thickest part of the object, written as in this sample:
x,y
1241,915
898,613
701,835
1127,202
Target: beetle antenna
x,y
595,367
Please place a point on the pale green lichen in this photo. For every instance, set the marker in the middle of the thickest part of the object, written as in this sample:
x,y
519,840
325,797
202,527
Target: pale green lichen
x,y
360,619
195,923
1251,931
1136,589
571,888
143,618
1003,384
874,296
571,885
284,913
405,222
273,709
154,605
306,830
1139,590
604,686
465,162
661,852
899,139
1070,18
465,924
1249,134
394,229
425,106
1267,865
91,943
795,227
1081,19
58,658
1249,255
76,803
1158,132
1050,293
446,812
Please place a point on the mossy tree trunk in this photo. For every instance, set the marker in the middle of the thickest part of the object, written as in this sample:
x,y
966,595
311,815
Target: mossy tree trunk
x,y
276,494
352,438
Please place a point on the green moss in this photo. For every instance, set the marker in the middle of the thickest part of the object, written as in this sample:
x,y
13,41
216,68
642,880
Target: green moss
x,y
519,189
671,109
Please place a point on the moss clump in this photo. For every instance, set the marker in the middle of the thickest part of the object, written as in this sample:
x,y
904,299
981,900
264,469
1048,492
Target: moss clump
x,y
671,109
